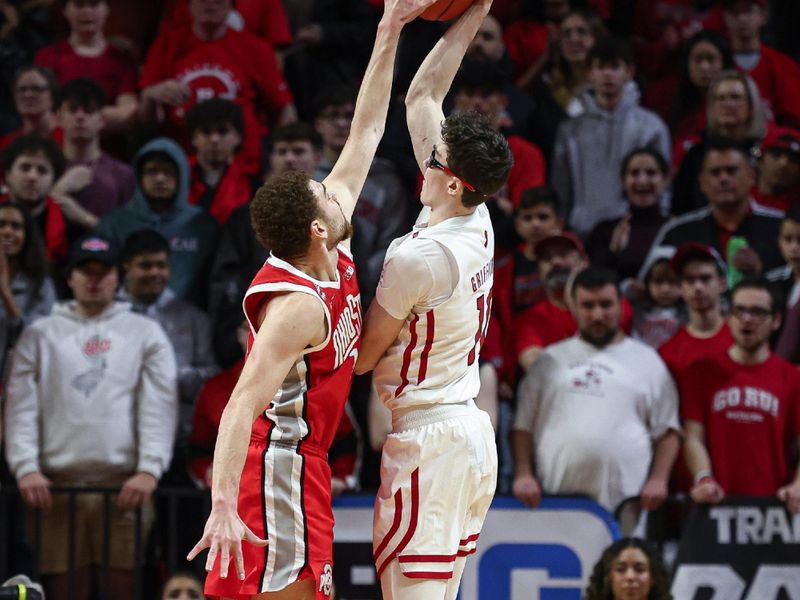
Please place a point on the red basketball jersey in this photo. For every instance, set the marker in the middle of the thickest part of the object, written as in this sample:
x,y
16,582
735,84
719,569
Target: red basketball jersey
x,y
309,403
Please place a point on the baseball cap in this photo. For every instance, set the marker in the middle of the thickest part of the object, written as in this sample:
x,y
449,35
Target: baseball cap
x,y
781,138
92,247
565,237
693,250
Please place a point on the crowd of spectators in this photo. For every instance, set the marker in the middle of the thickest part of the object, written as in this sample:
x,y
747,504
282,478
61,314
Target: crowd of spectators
x,y
648,239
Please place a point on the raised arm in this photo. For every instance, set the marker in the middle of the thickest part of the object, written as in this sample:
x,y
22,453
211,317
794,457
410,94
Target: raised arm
x,y
435,76
372,105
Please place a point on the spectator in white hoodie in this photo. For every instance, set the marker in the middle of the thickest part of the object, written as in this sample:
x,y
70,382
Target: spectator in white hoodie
x,y
91,402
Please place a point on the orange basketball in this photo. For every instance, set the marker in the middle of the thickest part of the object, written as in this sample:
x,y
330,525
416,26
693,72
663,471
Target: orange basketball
x,y
445,10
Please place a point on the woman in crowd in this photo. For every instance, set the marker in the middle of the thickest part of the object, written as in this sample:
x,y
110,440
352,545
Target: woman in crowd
x,y
35,93
705,55
26,291
622,244
735,111
629,569
562,76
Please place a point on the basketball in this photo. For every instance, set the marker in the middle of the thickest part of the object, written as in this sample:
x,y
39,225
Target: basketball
x,y
445,10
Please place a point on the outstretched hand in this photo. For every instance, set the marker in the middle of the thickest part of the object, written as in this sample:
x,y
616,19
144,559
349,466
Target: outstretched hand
x,y
224,533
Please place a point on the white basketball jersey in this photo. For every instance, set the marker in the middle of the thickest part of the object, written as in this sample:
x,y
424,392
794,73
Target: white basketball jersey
x,y
434,360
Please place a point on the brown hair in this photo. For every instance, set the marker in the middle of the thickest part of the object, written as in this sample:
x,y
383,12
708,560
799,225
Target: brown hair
x,y
281,213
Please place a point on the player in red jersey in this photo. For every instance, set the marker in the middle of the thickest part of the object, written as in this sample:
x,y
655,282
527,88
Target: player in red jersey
x,y
304,312
741,409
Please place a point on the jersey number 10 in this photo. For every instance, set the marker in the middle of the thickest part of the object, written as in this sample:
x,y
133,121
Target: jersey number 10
x,y
484,303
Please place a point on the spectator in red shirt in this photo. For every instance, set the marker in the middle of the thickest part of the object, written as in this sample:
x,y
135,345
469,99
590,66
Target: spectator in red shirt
x,y
741,409
266,19
207,59
35,92
550,320
778,183
87,53
218,182
94,182
32,163
776,75
701,273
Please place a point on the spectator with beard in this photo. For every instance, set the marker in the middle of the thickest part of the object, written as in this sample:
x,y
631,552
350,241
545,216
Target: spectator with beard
x,y
597,414
741,409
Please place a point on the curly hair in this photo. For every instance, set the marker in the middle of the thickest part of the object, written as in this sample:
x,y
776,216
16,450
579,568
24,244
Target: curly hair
x,y
281,213
477,153
599,587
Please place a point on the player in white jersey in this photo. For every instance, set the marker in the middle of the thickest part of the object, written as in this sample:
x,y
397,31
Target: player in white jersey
x,y
423,335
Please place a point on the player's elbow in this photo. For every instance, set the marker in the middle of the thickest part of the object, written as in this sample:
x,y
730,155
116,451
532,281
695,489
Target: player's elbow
x,y
363,367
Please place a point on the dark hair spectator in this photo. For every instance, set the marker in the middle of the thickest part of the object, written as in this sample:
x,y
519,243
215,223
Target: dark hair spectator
x,y
705,55
26,291
623,243
633,558
87,53
94,183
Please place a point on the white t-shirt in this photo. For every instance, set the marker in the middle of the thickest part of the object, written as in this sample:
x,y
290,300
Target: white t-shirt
x,y
594,415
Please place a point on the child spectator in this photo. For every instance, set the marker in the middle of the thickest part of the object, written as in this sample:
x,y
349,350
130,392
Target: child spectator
x,y
32,163
26,292
612,126
35,92
778,183
87,53
657,316
776,75
706,54
622,244
94,182
218,183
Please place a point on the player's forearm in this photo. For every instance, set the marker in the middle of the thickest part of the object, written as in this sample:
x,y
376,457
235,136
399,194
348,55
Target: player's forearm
x,y
230,452
666,451
522,452
435,76
372,103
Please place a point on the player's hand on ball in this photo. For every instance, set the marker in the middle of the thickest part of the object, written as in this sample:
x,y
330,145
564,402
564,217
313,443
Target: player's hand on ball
x,y
224,533
527,490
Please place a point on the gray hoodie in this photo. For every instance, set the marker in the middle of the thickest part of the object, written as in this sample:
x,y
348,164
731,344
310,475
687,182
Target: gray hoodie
x,y
91,399
588,152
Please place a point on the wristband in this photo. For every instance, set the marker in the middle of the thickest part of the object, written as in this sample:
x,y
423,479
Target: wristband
x,y
701,476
